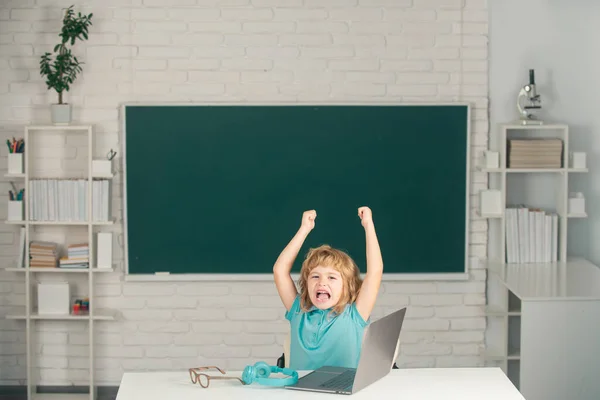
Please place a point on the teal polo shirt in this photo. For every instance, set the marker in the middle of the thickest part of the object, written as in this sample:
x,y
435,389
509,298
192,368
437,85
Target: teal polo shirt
x,y
318,338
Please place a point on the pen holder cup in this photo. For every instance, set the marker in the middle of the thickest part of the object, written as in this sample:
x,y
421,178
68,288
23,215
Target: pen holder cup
x,y
15,163
101,168
15,210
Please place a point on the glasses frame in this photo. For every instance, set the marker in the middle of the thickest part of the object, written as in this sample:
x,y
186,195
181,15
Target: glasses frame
x,y
195,375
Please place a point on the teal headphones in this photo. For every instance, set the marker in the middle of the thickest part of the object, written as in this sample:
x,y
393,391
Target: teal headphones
x,y
260,372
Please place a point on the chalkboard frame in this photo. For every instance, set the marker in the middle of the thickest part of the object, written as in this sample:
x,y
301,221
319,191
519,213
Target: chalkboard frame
x,y
166,276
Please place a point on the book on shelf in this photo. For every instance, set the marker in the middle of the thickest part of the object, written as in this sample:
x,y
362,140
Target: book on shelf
x,y
66,200
22,248
531,235
535,153
77,256
43,254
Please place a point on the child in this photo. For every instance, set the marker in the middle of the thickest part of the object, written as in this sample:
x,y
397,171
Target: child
x,y
328,316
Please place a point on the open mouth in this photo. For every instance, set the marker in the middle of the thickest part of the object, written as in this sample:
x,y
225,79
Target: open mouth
x,y
323,296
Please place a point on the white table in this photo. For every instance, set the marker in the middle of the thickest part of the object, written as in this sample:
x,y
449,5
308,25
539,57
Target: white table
x,y
405,384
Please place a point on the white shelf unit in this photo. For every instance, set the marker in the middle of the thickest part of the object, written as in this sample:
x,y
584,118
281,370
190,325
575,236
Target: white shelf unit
x,y
545,188
530,304
29,313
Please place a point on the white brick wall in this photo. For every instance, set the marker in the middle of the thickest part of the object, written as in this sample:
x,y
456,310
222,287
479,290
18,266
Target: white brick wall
x,y
236,50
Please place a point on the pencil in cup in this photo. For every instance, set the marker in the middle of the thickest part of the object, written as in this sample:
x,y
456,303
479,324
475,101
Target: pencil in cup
x,y
18,196
15,156
15,146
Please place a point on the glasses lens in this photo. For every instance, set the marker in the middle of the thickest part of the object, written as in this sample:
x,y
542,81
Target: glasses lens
x,y
203,379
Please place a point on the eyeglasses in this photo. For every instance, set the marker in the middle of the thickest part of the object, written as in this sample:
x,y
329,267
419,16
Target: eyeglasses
x,y
204,379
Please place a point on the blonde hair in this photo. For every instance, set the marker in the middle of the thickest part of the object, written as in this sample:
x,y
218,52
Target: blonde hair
x,y
326,256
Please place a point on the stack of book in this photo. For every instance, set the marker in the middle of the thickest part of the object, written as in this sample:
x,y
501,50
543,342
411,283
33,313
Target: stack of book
x,y
43,254
535,153
531,235
78,256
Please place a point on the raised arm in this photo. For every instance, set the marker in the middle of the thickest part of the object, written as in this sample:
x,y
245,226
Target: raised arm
x,y
281,270
370,288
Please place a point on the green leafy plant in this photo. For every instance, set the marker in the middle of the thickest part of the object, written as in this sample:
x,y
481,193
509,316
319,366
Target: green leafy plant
x,y
61,72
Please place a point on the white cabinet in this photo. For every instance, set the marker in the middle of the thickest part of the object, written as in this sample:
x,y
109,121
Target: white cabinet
x,y
543,325
543,306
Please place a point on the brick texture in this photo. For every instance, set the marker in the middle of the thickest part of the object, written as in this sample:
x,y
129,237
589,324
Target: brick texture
x,y
237,50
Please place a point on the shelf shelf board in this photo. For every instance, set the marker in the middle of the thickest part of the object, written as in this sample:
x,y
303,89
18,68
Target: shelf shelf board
x,y
532,170
58,127
61,396
60,270
490,170
73,177
14,176
494,354
500,215
517,125
70,222
22,176
489,215
584,215
101,315
111,222
498,312
578,170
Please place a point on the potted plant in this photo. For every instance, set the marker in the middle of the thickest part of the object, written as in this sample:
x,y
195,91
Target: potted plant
x,y
61,72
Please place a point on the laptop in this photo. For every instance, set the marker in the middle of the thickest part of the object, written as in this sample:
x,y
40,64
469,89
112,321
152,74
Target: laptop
x,y
379,350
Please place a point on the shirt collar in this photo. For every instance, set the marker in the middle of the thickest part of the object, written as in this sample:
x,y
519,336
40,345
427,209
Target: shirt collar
x,y
315,310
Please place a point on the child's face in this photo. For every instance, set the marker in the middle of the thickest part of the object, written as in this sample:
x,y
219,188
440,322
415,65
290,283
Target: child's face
x,y
325,286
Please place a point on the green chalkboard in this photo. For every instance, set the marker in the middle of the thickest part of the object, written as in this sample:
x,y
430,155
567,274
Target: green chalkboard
x,y
222,188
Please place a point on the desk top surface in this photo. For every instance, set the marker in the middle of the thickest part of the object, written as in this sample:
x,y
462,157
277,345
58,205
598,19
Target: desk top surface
x,y
406,384
576,279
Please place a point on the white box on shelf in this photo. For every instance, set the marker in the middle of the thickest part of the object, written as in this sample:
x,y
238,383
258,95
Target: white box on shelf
x,y
15,163
578,160
491,159
490,202
15,210
53,298
104,250
576,203
101,168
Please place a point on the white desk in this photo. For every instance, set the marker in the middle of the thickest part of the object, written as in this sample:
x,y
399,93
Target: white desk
x,y
575,280
405,384
543,327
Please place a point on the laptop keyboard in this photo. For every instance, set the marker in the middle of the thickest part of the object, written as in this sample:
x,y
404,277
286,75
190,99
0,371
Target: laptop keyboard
x,y
341,381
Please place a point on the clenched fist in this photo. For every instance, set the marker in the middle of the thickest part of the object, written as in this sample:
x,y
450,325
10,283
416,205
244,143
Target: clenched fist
x,y
308,219
366,217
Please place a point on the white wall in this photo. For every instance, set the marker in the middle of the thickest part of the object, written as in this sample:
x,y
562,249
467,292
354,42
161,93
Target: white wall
x,y
239,50
559,39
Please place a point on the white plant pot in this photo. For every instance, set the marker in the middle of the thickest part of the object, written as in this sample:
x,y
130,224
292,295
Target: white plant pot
x,y
61,114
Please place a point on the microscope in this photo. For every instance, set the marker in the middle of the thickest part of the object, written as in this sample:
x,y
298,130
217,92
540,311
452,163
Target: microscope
x,y
528,101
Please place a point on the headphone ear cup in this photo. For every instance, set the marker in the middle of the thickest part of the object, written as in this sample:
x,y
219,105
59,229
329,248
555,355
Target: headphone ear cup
x,y
248,375
262,369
